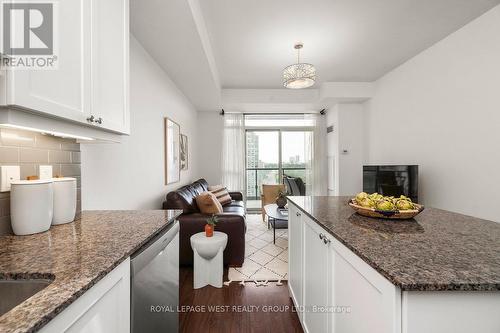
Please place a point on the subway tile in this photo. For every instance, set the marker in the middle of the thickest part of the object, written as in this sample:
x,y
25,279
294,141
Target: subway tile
x,y
4,207
69,170
70,145
9,137
47,141
59,156
29,151
30,155
76,157
56,170
28,169
9,155
5,228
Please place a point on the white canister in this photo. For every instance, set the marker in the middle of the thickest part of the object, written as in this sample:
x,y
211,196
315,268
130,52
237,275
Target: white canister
x,y
64,200
31,206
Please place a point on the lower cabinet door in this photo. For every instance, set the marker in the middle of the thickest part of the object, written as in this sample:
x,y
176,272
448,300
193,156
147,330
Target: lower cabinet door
x,y
317,279
373,303
295,256
104,308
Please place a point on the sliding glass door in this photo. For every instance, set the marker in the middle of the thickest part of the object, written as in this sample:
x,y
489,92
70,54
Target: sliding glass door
x,y
271,154
293,153
262,161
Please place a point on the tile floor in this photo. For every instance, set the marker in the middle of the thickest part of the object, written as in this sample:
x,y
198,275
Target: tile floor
x,y
263,259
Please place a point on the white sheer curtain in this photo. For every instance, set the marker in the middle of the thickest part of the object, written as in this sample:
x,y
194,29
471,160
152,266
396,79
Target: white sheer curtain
x,y
316,162
233,152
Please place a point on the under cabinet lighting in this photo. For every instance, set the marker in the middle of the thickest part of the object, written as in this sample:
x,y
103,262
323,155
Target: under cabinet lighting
x,y
54,133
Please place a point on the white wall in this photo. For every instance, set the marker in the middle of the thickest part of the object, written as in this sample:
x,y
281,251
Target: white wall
x,y
441,110
210,129
347,135
130,175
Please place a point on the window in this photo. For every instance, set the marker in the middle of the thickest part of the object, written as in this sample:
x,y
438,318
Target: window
x,y
273,151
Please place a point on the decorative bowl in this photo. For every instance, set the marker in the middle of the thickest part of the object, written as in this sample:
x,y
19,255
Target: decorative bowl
x,y
392,214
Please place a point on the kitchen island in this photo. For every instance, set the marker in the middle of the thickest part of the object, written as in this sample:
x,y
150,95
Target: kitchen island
x,y
79,258
439,272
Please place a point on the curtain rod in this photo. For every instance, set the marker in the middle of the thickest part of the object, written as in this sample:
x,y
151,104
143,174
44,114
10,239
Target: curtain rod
x,y
322,112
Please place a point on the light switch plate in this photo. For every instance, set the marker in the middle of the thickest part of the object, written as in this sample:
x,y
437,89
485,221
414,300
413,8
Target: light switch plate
x,y
8,173
45,172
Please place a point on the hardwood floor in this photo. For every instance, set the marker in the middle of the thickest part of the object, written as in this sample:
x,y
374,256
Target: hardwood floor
x,y
241,309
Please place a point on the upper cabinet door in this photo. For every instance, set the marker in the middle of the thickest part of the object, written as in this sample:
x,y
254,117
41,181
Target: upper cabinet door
x,y
65,91
110,64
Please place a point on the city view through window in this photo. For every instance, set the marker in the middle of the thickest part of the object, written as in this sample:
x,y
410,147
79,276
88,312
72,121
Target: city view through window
x,y
270,154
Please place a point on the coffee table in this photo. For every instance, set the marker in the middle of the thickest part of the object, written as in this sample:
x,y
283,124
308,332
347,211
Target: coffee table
x,y
276,219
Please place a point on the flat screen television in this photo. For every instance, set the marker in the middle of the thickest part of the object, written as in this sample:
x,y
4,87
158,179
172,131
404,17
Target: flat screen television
x,y
392,180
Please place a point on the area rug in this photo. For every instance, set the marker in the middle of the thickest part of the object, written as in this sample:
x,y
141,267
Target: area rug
x,y
264,261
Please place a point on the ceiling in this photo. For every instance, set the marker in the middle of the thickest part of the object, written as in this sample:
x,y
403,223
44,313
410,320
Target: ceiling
x,y
171,33
209,45
347,40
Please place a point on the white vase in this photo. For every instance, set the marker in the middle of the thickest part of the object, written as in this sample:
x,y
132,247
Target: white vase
x,y
31,206
64,200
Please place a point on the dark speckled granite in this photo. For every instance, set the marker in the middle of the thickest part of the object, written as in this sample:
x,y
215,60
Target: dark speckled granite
x,y
438,250
75,256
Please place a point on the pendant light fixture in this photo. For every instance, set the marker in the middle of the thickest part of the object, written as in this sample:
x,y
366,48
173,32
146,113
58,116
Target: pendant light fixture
x,y
299,75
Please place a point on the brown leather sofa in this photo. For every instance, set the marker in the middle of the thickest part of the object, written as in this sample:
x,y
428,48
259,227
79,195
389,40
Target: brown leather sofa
x,y
231,221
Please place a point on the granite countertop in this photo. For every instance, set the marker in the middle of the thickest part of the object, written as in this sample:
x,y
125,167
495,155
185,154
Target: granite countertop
x,y
75,256
437,250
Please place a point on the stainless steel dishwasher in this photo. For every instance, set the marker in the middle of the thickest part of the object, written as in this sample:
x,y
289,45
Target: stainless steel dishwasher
x,y
155,284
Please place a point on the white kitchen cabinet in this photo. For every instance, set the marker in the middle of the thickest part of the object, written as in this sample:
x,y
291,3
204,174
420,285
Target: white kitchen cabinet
x,y
374,302
295,257
335,290
90,85
110,64
104,308
317,278
63,92
350,296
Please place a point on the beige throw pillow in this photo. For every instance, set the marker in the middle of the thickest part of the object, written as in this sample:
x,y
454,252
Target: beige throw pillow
x,y
221,194
208,203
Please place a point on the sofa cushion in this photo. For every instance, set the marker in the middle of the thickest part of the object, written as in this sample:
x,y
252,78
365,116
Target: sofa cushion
x,y
234,210
221,194
236,203
184,197
200,186
208,203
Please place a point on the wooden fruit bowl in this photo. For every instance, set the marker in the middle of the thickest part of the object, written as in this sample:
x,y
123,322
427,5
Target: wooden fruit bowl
x,y
393,214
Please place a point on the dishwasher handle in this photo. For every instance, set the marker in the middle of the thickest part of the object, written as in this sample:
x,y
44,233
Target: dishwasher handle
x,y
143,258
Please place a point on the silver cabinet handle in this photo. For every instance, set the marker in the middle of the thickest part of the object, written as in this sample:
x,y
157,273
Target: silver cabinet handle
x,y
298,214
326,240
322,236
91,119
99,120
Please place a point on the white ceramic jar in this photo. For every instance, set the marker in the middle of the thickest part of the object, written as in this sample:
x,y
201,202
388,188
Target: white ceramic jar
x,y
31,206
64,200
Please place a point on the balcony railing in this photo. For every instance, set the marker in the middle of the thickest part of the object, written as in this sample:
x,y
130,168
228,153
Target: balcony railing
x,y
258,176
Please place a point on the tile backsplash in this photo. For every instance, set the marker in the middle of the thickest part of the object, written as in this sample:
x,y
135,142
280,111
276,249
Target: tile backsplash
x,y
29,150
